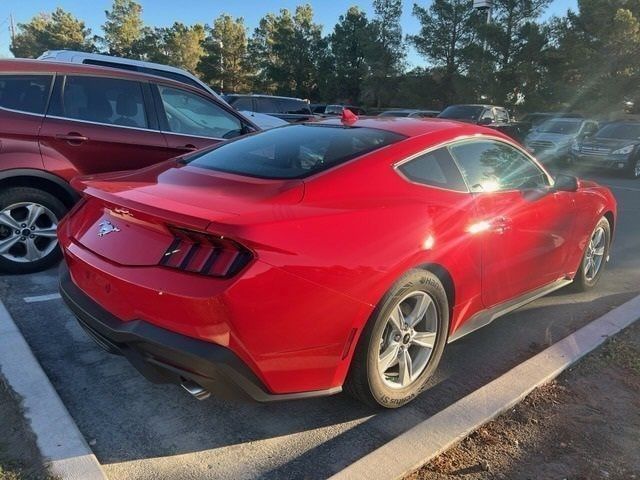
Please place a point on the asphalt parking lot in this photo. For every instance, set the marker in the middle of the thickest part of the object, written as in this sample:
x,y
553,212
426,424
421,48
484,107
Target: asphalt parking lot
x,y
140,430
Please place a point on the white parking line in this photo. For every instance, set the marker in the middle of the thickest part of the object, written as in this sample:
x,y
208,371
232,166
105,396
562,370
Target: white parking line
x,y
42,298
417,446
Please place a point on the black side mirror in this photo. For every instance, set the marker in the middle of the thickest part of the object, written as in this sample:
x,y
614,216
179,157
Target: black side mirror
x,y
485,121
565,183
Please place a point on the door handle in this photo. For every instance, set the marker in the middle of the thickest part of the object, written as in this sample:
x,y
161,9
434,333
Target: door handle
x,y
73,138
189,147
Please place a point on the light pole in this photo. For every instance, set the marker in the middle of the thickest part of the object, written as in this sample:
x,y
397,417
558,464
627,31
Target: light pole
x,y
221,66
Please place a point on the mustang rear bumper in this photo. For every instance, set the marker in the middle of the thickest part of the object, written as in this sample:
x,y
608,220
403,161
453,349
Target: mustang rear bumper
x,y
163,356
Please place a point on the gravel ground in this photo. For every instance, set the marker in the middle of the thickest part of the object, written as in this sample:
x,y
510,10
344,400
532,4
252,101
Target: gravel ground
x,y
583,426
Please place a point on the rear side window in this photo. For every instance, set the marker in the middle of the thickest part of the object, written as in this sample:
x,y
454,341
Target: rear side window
x,y
25,93
190,114
502,115
267,105
294,151
435,168
241,103
110,101
294,107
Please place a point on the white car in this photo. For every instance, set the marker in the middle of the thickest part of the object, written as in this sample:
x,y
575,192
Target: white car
x,y
177,74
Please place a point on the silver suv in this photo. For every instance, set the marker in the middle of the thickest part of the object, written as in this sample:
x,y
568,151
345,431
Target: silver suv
x,y
552,139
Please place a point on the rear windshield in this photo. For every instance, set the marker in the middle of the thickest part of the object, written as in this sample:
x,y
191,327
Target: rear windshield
x,y
623,131
293,151
462,112
563,127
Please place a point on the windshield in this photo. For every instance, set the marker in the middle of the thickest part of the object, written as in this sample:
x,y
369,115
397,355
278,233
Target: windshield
x,y
562,127
462,112
294,151
623,131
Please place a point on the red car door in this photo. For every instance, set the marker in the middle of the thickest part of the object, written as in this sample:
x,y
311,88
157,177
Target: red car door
x,y
191,120
525,225
98,124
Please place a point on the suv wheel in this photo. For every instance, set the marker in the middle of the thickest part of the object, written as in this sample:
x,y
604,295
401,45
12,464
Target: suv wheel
x,y
402,343
28,221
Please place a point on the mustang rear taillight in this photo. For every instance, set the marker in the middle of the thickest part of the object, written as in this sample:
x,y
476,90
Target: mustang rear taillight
x,y
205,254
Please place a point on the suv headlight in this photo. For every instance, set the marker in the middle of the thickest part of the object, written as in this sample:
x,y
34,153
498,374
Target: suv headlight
x,y
575,146
624,150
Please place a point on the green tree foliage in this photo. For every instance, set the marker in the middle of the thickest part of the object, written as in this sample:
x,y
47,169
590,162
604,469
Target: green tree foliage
x,y
351,46
595,63
55,31
388,51
587,60
286,50
448,38
123,29
225,62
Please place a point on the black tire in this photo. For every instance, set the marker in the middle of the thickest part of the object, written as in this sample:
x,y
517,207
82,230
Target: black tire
x,y
581,281
16,195
363,381
633,171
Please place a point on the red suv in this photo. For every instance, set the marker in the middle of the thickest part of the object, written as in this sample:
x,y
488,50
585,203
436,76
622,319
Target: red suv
x,y
61,120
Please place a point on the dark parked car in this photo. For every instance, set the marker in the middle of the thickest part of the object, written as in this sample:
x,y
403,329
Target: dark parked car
x,y
615,146
287,108
486,115
410,113
336,110
58,120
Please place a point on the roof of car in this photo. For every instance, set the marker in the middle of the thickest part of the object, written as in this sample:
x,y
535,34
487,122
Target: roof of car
x,y
413,127
39,66
262,95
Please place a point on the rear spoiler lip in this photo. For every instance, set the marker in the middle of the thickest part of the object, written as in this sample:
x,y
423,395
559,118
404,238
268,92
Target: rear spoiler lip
x,y
116,204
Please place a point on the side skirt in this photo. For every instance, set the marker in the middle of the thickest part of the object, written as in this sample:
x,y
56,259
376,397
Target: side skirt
x,y
485,317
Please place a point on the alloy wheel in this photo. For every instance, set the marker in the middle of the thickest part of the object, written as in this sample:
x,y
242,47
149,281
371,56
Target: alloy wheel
x,y
27,232
594,256
408,340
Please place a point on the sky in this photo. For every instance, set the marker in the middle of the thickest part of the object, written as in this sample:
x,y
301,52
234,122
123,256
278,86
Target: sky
x,y
165,12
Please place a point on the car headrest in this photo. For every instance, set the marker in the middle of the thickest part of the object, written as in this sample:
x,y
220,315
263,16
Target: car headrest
x,y
126,105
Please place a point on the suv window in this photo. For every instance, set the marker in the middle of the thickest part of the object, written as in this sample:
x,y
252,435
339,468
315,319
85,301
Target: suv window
x,y
489,166
488,113
190,114
294,106
295,151
267,105
26,93
501,115
110,101
241,103
435,168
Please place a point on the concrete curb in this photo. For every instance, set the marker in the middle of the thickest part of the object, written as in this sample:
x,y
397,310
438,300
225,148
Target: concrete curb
x,y
59,440
440,432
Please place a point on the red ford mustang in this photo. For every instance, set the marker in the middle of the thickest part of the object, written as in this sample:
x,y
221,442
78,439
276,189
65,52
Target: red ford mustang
x,y
300,260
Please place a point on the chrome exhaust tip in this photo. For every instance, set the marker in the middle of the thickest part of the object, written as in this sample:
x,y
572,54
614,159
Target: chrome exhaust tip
x,y
195,390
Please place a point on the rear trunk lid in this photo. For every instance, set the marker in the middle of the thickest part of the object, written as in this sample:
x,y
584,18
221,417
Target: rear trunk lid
x,y
133,218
